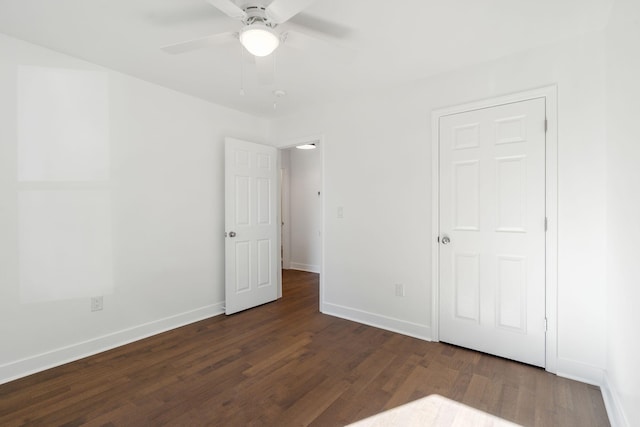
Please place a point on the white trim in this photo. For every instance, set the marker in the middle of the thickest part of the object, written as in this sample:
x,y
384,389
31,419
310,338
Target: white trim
x,y
579,371
551,245
321,143
304,267
376,320
50,359
435,225
281,264
549,93
284,202
612,403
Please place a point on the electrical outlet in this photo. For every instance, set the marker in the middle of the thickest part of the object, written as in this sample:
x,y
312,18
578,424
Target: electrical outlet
x,y
96,303
399,290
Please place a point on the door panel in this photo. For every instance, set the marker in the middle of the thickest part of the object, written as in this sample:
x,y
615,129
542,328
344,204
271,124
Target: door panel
x,y
466,215
492,207
251,256
466,270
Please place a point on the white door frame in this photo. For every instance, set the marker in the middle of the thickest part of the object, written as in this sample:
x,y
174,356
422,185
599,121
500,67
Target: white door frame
x,y
549,93
291,143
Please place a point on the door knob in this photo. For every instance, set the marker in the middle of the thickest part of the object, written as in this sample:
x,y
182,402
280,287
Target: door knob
x,y
446,240
232,234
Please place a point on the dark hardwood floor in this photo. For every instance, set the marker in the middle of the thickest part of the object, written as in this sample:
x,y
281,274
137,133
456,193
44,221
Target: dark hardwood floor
x,y
285,364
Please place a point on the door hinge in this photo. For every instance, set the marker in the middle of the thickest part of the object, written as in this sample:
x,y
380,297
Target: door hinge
x,y
546,223
546,125
546,325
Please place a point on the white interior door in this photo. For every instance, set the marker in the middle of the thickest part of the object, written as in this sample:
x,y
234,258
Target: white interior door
x,y
251,245
492,230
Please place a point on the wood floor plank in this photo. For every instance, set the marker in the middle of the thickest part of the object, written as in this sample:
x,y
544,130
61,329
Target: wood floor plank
x,y
286,364
308,407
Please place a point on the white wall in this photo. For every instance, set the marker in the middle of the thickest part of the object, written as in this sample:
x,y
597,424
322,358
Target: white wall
x,y
138,218
305,209
623,212
378,167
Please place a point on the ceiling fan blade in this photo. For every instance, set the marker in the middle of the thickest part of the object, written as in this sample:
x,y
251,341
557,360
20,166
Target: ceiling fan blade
x,y
265,69
318,25
229,8
318,47
190,45
280,11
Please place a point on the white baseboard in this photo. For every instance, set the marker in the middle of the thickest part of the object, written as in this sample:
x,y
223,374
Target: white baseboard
x,y
304,267
579,371
595,376
403,327
616,414
40,362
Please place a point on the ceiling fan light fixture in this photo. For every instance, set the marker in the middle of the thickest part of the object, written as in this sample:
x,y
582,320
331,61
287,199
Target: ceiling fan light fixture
x,y
259,39
306,146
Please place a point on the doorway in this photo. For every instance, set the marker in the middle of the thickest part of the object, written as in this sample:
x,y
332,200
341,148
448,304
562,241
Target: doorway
x,y
272,198
301,206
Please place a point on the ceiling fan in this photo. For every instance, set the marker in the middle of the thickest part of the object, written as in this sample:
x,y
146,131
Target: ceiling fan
x,y
261,32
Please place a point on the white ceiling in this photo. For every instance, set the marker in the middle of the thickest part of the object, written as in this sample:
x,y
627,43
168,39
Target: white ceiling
x,y
394,41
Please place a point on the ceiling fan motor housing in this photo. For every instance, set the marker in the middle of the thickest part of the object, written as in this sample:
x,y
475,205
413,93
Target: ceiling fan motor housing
x,y
257,14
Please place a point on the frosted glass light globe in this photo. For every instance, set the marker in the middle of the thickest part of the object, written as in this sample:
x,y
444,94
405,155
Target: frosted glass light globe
x,y
259,39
